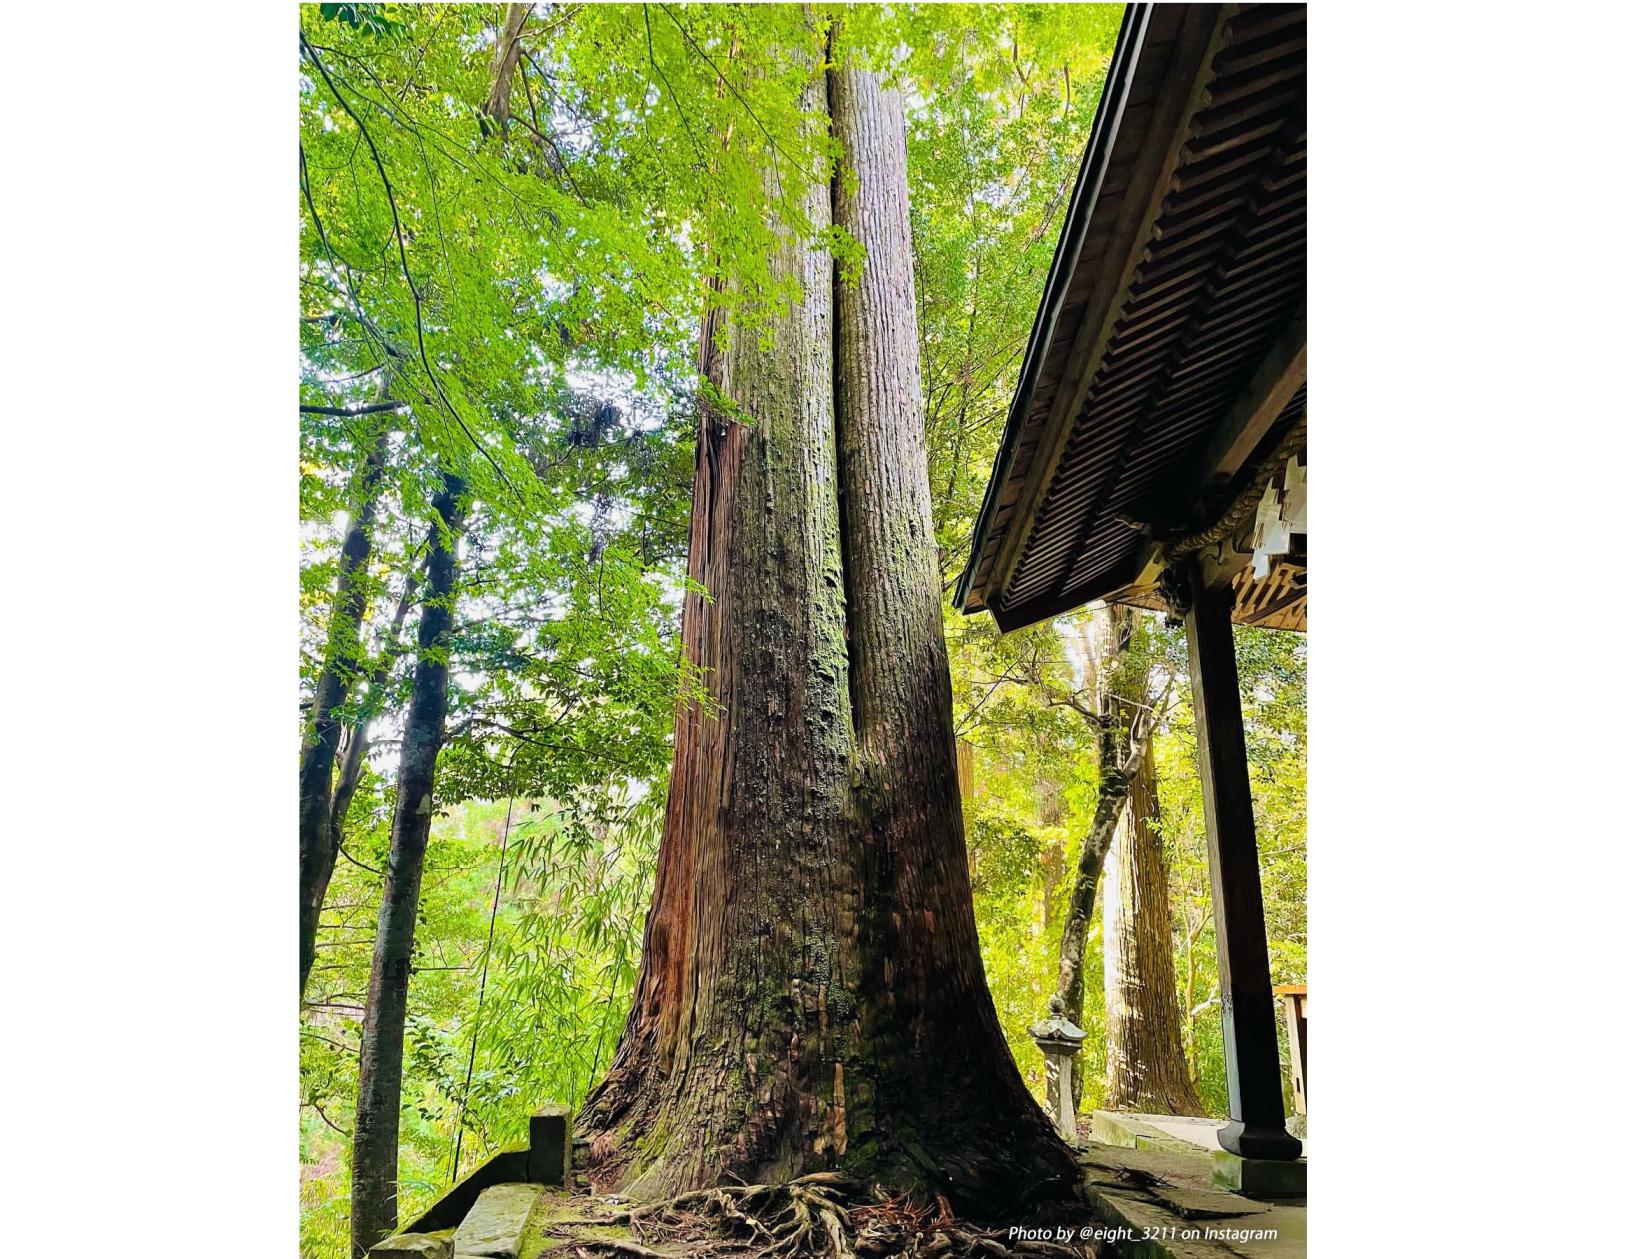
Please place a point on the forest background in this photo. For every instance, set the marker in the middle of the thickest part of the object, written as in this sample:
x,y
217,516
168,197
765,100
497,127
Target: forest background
x,y
511,226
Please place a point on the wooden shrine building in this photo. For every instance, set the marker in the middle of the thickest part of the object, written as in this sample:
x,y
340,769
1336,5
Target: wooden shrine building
x,y
1155,449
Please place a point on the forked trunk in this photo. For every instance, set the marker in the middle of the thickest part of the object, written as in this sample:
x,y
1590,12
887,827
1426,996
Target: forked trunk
x,y
378,1092
503,61
812,994
950,1111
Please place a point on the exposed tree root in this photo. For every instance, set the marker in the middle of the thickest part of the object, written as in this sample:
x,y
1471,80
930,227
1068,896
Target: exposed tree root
x,y
818,1216
614,1246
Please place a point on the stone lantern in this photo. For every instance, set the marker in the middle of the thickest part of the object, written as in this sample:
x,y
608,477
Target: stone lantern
x,y
1059,1038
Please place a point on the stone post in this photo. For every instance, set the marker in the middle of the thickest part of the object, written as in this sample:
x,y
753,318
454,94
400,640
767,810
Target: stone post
x,y
1059,1038
551,1139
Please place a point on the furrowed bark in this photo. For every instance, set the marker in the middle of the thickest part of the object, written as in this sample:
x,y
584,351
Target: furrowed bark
x,y
811,995
727,1063
1146,1066
948,1093
341,665
378,1093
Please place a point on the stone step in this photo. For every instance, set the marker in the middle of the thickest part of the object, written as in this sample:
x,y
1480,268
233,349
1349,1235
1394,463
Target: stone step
x,y
1133,1132
546,1161
495,1226
414,1246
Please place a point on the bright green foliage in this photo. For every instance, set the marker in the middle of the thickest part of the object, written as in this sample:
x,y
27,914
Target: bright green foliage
x,y
562,961
992,163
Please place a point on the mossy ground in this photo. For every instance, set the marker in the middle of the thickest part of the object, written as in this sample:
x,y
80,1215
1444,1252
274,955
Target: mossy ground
x,y
546,1234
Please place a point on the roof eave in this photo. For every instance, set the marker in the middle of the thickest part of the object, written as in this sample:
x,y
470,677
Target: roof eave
x,y
1103,135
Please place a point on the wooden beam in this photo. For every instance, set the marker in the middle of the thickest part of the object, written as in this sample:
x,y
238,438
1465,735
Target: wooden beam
x,y
1258,1127
1271,388
1280,604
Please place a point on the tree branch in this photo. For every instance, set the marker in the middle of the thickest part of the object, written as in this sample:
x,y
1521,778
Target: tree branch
x,y
317,1107
368,408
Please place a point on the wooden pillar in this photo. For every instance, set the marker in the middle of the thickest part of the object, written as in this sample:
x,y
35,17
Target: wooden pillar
x,y
1258,1127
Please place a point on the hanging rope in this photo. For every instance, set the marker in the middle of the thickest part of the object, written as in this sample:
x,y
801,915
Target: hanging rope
x,y
479,1003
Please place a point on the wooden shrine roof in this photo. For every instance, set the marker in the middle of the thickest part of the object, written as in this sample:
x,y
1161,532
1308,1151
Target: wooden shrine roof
x,y
1166,367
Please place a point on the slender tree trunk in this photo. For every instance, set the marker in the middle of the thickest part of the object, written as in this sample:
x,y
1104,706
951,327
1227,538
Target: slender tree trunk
x,y
1193,1058
812,993
1146,1066
340,667
1123,733
378,1093
357,740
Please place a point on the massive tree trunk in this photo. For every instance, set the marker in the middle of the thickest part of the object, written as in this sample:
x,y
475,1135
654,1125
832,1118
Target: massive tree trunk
x,y
378,1093
812,994
949,1109
340,667
1123,733
1146,1067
